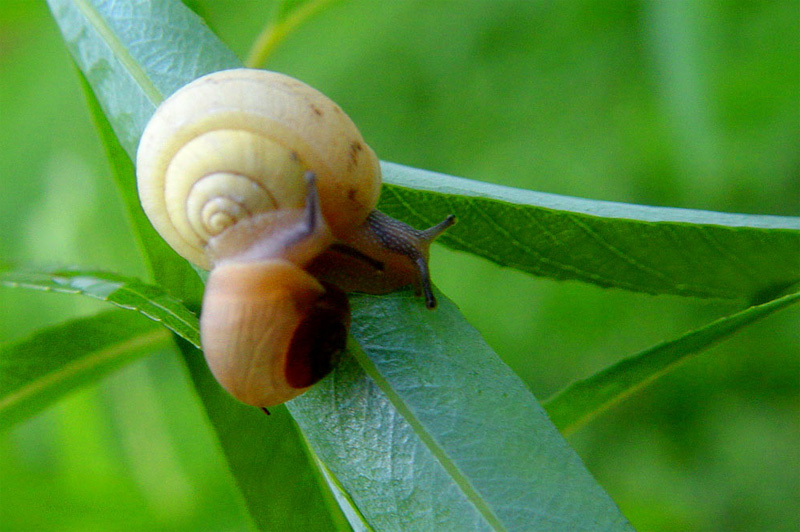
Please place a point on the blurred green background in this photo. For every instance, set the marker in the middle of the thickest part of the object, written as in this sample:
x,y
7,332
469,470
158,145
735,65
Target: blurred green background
x,y
689,104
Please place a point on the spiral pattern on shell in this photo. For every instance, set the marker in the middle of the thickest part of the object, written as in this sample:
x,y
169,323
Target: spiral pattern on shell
x,y
236,143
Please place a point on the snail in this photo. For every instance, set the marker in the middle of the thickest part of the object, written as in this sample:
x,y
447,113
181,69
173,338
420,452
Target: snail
x,y
268,184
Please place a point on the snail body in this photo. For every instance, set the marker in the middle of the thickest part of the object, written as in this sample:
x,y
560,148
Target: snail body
x,y
268,184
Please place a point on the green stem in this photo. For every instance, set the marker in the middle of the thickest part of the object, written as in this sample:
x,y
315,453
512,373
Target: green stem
x,y
276,32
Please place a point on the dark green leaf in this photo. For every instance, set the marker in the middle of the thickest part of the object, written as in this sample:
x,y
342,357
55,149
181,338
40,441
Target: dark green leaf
x,y
583,400
635,247
38,370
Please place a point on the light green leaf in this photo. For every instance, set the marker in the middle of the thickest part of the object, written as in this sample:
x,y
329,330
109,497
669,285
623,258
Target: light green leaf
x,y
38,370
585,399
124,292
254,444
635,247
136,53
427,429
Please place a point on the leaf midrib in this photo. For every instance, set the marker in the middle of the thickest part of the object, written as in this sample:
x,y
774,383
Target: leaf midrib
x,y
130,64
438,452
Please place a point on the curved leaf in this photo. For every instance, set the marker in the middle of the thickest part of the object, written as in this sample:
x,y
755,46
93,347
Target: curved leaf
x,y
635,247
124,292
38,370
583,400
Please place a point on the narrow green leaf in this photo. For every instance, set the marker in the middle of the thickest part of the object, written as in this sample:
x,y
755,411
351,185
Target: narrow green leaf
x,y
136,53
38,370
265,454
427,429
585,399
635,247
124,292
167,268
171,46
647,249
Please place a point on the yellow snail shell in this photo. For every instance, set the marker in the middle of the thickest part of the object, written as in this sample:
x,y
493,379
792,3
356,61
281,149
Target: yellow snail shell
x,y
236,143
267,183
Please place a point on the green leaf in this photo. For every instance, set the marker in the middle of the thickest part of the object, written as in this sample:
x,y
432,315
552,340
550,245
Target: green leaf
x,y
133,55
646,249
38,370
167,268
124,292
640,248
428,429
585,399
136,53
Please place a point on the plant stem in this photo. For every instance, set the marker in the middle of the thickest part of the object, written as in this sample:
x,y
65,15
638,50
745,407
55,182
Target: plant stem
x,y
276,31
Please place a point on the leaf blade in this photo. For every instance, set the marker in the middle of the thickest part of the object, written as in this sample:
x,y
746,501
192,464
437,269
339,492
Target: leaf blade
x,y
279,464
634,247
584,399
124,292
38,370
461,439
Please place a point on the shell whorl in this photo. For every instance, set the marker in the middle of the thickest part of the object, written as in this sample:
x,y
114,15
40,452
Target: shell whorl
x,y
236,143
224,176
